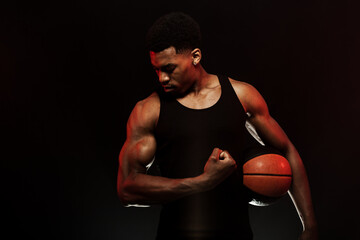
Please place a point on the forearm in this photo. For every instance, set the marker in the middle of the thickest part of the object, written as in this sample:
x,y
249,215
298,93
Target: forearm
x,y
300,188
146,189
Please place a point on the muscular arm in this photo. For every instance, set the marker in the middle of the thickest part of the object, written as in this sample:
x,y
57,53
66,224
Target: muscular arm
x,y
133,185
270,131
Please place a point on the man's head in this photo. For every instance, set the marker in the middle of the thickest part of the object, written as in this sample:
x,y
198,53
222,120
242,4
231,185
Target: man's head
x,y
174,29
174,41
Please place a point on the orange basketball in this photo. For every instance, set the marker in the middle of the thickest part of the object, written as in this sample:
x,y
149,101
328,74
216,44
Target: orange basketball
x,y
267,174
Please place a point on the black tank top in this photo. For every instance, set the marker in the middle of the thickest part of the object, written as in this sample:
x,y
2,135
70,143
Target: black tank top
x,y
185,139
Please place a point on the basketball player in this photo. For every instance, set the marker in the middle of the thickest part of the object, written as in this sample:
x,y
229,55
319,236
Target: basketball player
x,y
194,128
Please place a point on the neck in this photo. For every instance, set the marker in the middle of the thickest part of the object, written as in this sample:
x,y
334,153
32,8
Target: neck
x,y
203,80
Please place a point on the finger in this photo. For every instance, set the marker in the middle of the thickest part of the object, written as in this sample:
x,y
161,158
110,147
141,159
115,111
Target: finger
x,y
215,153
222,155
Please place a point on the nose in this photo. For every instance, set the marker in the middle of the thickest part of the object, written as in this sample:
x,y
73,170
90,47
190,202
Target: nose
x,y
164,78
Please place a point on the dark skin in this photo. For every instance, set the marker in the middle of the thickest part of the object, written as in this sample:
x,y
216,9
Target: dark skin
x,y
183,76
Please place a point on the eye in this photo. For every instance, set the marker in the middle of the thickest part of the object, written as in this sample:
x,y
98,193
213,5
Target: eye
x,y
169,68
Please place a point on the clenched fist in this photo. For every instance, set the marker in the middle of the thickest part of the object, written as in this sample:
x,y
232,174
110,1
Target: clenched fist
x,y
218,167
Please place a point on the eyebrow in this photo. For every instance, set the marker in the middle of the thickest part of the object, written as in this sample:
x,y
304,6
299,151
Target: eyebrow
x,y
169,65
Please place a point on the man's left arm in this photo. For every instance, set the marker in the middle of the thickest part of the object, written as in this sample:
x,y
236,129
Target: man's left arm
x,y
272,134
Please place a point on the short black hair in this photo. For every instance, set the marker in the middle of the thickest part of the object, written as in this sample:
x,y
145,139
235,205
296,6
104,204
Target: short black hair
x,y
175,29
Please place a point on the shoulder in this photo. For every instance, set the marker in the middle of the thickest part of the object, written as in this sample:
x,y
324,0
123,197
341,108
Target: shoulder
x,y
148,106
249,96
145,114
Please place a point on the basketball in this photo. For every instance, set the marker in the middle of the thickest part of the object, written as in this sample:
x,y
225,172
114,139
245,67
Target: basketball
x,y
267,174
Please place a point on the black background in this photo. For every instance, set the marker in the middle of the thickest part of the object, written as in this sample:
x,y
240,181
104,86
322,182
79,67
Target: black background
x,y
72,71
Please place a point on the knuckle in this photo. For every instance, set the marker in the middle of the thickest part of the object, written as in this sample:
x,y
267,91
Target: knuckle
x,y
212,157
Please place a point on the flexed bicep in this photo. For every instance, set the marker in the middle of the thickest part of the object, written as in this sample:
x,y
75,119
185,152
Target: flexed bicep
x,y
136,155
140,145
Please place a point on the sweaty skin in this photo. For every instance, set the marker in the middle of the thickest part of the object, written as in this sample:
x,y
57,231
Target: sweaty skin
x,y
182,75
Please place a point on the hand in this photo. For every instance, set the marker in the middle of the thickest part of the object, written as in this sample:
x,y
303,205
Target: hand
x,y
218,167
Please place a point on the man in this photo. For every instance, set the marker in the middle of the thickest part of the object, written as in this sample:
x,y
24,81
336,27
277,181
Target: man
x,y
195,129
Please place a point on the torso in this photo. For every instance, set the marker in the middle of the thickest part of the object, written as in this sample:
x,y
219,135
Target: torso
x,y
186,134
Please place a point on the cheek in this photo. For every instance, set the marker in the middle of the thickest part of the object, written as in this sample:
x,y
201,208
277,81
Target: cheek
x,y
183,74
187,70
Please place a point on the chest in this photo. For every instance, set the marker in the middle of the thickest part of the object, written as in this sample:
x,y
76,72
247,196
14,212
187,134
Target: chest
x,y
220,125
201,101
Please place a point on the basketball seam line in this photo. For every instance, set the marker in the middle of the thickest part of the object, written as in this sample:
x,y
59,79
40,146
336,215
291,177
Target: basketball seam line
x,y
269,174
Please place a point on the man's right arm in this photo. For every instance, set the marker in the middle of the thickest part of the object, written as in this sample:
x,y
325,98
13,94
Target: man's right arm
x,y
135,187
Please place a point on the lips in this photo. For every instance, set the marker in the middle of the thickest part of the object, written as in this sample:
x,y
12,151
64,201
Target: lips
x,y
168,87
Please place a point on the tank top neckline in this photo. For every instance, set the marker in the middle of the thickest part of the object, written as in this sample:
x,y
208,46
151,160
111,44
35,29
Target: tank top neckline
x,y
207,108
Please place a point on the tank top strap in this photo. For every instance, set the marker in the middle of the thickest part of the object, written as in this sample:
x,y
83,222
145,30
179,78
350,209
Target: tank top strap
x,y
224,81
228,93
226,87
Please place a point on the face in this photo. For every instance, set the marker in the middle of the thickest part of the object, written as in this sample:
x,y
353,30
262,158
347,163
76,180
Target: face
x,y
175,70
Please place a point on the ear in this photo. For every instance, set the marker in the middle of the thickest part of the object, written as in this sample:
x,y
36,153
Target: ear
x,y
196,56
